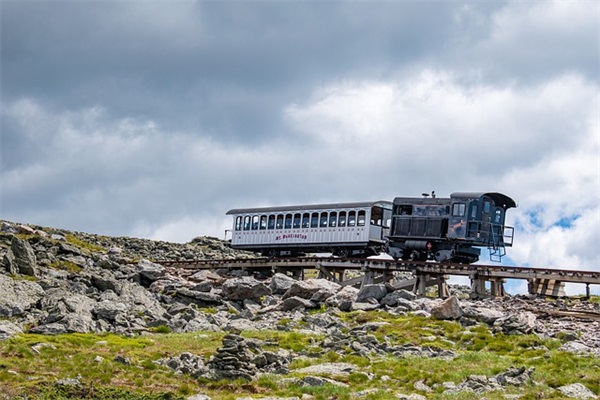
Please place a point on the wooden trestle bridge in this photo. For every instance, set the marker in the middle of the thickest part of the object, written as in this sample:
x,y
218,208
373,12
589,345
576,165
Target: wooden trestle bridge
x,y
486,280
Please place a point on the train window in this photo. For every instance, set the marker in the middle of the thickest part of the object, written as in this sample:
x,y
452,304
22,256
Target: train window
x,y
263,222
305,220
361,218
271,224
487,206
238,223
498,216
404,209
279,221
333,219
458,209
254,222
352,218
474,211
288,221
323,223
376,216
297,221
247,223
314,220
342,219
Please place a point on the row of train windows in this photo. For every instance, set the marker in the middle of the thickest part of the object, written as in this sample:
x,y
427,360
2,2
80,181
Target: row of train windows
x,y
306,220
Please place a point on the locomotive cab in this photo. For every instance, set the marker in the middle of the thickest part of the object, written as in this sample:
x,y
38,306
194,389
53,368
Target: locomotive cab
x,y
479,219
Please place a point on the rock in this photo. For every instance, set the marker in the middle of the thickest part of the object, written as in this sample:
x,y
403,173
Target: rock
x,y
293,302
515,324
8,329
244,288
306,289
422,387
577,391
343,299
280,283
365,305
150,270
448,309
18,297
24,257
322,295
199,396
482,314
376,292
330,369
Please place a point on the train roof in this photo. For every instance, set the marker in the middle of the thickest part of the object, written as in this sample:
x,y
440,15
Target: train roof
x,y
500,199
308,207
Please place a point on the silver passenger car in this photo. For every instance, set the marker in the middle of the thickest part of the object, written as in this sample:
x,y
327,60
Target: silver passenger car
x,y
344,229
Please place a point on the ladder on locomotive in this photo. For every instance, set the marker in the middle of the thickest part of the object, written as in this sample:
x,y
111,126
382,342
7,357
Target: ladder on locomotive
x,y
498,241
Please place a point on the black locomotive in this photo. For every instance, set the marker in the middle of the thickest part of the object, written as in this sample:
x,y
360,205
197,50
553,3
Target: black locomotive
x,y
450,229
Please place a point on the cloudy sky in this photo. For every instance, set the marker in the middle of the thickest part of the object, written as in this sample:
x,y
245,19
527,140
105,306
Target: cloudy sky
x,y
152,119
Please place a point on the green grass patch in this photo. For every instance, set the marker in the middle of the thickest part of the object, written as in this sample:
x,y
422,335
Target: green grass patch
x,y
31,364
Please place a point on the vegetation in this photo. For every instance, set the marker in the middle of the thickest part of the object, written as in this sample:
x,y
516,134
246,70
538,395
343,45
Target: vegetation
x,y
30,365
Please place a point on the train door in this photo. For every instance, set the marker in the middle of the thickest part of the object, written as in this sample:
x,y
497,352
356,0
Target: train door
x,y
375,227
486,218
474,219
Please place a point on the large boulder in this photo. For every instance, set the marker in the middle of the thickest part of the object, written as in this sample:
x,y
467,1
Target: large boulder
x,y
245,287
516,324
307,289
447,309
280,283
482,314
377,292
343,299
150,271
20,259
18,297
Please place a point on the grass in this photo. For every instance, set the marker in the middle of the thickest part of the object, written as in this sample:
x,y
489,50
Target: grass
x,y
30,369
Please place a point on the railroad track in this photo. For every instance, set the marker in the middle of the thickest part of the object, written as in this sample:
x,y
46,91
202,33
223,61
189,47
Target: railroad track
x,y
542,281
579,314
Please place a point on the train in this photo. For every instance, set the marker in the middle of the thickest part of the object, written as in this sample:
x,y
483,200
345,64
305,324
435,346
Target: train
x,y
450,229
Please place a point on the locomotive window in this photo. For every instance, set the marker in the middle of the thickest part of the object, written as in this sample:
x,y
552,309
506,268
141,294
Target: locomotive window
x,y
254,222
314,220
263,222
361,218
279,221
342,219
297,221
271,224
305,220
247,223
498,216
323,223
352,218
458,209
333,220
238,223
288,221
404,210
376,216
474,211
487,207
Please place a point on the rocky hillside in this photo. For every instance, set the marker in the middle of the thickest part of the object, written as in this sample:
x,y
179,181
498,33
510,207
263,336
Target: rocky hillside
x,y
56,282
